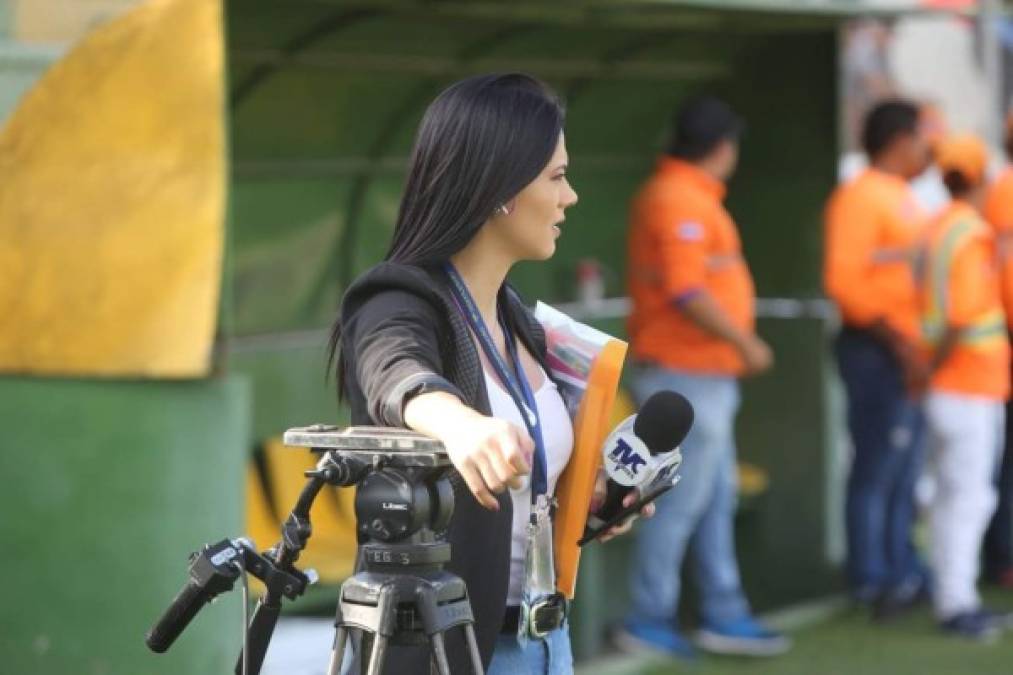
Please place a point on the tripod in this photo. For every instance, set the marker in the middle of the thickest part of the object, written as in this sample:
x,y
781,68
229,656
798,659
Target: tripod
x,y
401,595
404,597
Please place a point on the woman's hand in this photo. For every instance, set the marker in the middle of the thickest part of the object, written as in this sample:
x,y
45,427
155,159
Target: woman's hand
x,y
490,454
627,525
598,497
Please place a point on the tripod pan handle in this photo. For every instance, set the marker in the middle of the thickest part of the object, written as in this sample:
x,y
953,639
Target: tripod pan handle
x,y
177,616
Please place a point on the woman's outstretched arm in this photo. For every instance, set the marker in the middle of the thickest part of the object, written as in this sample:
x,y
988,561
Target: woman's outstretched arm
x,y
491,454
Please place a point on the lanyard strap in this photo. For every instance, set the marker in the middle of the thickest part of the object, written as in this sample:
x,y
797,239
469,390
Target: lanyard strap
x,y
516,383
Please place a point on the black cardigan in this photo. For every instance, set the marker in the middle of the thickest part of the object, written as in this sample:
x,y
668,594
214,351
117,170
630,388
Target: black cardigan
x,y
402,334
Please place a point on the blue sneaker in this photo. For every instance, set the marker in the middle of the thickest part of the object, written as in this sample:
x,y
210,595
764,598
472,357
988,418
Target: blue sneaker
x,y
742,637
643,636
978,626
1001,619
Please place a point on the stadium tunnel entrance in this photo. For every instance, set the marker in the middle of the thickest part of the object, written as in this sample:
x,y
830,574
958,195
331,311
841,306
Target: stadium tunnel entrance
x,y
324,98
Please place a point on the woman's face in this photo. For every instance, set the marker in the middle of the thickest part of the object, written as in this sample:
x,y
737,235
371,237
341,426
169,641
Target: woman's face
x,y
531,228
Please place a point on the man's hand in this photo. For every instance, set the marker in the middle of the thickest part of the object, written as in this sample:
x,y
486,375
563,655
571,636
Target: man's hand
x,y
756,354
705,313
914,369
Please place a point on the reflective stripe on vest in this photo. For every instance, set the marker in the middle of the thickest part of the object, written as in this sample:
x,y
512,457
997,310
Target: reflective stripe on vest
x,y
720,260
986,330
892,255
714,263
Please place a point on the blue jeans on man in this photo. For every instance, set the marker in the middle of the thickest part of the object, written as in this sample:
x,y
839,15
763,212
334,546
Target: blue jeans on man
x,y
697,517
887,432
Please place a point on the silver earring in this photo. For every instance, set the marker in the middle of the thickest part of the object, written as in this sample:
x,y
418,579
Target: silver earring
x,y
504,210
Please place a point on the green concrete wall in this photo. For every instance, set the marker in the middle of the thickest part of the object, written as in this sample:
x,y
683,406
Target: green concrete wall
x,y
289,387
107,486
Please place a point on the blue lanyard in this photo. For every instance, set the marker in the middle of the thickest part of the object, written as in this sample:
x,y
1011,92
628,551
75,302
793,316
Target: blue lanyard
x,y
516,383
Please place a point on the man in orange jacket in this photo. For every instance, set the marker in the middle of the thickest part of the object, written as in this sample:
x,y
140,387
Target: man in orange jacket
x,y
964,332
691,330
998,549
872,228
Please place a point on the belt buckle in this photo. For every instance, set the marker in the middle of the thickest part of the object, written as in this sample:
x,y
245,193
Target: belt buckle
x,y
548,603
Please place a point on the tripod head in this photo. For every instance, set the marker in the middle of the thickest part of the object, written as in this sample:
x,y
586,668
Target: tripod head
x,y
404,495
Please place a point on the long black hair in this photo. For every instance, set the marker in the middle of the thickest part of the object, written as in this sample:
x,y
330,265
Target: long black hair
x,y
480,142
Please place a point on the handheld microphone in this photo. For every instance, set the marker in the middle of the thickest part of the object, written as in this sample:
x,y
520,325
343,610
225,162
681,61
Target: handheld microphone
x,y
642,453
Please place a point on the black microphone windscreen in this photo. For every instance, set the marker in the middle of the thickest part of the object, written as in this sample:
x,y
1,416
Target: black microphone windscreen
x,y
664,421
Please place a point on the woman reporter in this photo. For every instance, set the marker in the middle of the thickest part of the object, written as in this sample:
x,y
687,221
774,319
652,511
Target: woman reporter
x,y
435,340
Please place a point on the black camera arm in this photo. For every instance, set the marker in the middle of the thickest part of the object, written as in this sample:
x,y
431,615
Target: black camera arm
x,y
215,568
284,580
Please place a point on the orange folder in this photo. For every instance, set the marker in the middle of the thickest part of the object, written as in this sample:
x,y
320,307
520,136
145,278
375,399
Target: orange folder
x,y
576,485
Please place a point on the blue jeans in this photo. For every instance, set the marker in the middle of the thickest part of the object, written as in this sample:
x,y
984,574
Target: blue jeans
x,y
698,512
888,434
551,656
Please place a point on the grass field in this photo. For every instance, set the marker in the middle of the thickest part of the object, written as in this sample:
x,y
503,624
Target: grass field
x,y
849,644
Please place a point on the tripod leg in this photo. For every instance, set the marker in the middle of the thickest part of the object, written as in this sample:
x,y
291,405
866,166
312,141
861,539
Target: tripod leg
x,y
378,656
260,630
340,637
476,657
440,652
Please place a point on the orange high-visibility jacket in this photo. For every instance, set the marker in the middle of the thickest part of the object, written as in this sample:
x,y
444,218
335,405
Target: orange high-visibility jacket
x,y
872,230
959,287
682,242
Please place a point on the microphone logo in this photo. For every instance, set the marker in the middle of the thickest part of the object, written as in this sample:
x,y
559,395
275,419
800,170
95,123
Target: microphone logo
x,y
626,458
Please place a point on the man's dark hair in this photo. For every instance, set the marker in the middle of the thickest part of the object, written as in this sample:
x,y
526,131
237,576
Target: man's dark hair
x,y
886,122
700,125
957,184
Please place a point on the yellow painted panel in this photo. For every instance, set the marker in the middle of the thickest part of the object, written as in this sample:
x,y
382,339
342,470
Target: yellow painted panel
x,y
112,197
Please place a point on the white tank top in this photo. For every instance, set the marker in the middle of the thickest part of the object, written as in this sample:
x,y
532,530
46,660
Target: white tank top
x,y
557,432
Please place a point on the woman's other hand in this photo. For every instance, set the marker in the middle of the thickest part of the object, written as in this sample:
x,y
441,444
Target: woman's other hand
x,y
598,498
627,525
